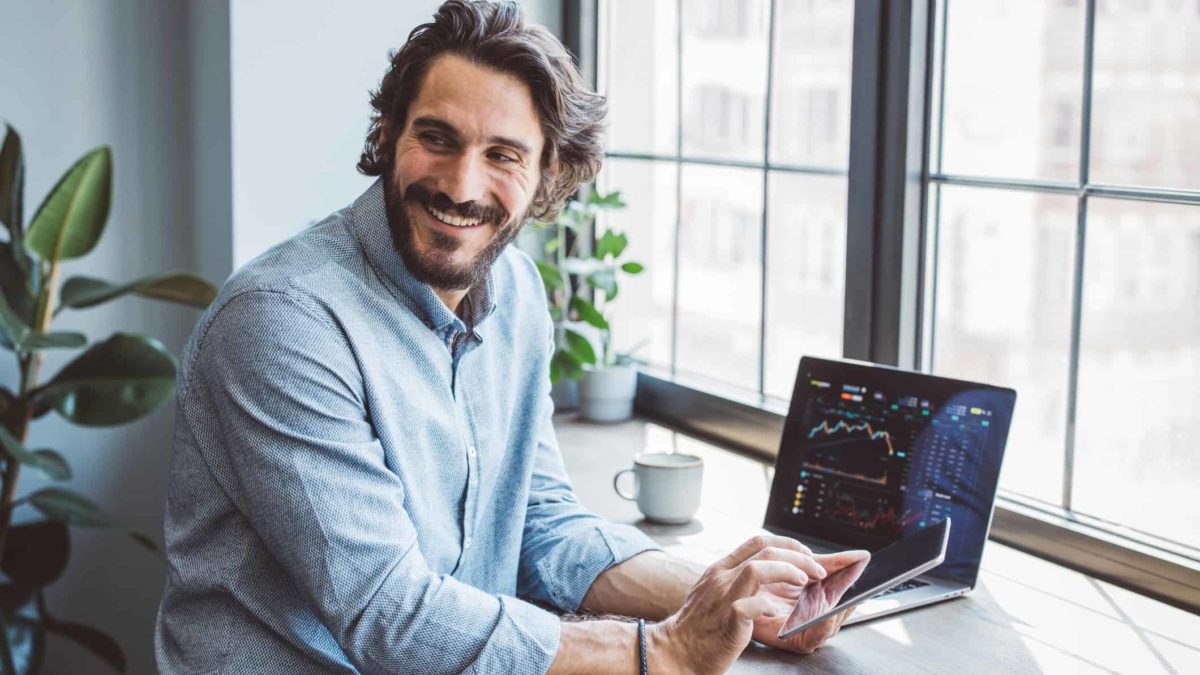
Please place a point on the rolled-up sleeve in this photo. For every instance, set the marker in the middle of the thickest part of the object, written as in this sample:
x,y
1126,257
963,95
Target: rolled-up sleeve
x,y
564,546
278,393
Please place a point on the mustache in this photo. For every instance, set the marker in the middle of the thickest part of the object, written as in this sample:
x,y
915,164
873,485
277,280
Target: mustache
x,y
470,210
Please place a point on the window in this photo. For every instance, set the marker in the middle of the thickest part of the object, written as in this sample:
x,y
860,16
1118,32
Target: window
x,y
729,138
1074,276
1057,246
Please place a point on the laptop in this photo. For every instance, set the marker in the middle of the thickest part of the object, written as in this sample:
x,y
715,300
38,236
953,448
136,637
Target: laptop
x,y
870,453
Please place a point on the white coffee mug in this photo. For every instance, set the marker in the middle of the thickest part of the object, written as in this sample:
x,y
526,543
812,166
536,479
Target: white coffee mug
x,y
666,485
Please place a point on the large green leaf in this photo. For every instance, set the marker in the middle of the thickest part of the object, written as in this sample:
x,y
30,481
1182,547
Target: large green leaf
x,y
12,182
182,287
69,507
113,382
49,463
14,284
565,365
551,277
611,243
580,347
36,553
95,641
588,313
69,223
16,335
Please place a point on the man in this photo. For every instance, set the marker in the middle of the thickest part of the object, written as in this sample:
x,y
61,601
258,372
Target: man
x,y
365,474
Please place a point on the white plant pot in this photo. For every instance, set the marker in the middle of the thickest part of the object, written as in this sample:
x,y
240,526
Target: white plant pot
x,y
565,395
606,394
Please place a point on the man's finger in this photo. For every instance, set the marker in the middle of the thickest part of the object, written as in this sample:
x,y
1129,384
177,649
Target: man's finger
x,y
754,574
749,609
833,562
811,567
754,545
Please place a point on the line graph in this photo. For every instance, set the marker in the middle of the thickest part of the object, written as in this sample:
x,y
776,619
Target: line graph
x,y
850,429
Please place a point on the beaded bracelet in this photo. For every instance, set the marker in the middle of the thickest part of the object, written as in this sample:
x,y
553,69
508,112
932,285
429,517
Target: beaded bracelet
x,y
642,645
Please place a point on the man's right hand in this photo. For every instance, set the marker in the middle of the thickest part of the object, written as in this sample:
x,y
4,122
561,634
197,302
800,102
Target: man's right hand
x,y
717,619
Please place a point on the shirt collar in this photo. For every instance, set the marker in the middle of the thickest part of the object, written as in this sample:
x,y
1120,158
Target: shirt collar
x,y
370,226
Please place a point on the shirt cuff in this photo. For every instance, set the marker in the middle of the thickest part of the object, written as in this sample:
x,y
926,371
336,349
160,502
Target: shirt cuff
x,y
525,640
571,573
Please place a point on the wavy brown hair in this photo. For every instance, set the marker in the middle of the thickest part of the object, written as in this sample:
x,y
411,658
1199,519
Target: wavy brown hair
x,y
495,35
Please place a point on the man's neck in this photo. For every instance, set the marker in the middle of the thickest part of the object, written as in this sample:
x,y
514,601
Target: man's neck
x,y
451,298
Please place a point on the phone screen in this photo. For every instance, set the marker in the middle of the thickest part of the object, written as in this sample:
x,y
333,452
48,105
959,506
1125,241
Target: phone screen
x,y
887,567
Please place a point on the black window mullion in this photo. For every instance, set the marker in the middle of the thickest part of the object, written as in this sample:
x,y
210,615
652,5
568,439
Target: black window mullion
x,y
1085,128
766,155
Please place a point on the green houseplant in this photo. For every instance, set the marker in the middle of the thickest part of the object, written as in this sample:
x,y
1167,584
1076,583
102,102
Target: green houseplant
x,y
570,276
110,383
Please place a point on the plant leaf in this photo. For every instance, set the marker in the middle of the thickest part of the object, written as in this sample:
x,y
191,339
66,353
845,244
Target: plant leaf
x,y
551,277
580,347
17,336
632,268
113,382
52,465
46,461
568,366
69,507
588,313
13,282
182,287
36,553
552,246
611,200
611,243
604,280
90,639
69,223
12,182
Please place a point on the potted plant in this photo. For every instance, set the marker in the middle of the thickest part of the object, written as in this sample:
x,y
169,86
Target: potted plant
x,y
111,382
608,380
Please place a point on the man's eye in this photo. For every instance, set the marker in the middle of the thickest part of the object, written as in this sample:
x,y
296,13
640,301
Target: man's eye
x,y
434,140
503,157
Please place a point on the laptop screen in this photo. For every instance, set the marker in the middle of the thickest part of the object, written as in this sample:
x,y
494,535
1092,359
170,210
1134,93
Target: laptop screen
x,y
870,453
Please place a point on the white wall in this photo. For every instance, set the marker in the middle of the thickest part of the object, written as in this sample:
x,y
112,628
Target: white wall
x,y
209,172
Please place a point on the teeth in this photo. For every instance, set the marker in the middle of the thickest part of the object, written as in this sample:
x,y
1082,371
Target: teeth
x,y
456,221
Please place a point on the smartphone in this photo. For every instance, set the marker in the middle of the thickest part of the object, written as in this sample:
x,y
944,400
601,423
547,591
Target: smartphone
x,y
896,563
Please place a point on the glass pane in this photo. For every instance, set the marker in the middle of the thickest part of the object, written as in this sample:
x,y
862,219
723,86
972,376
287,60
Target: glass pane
x,y
720,236
1136,462
1146,109
639,70
1003,316
806,273
810,102
1014,82
641,312
724,78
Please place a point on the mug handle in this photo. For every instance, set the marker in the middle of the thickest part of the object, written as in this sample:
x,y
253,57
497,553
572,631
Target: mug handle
x,y
630,497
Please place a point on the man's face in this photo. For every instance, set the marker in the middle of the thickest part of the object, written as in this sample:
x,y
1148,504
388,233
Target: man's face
x,y
466,169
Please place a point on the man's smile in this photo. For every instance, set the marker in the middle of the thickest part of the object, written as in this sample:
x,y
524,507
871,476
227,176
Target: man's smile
x,y
453,220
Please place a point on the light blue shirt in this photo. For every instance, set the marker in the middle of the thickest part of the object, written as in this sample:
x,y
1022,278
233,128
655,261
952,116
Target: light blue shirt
x,y
362,483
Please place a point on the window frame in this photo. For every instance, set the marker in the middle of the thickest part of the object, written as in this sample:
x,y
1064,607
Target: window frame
x,y
890,181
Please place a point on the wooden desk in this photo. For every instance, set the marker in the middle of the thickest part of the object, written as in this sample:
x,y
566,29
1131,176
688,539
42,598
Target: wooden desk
x,y
1026,616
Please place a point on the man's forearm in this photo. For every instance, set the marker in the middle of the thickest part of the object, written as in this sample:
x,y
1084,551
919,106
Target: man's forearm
x,y
651,585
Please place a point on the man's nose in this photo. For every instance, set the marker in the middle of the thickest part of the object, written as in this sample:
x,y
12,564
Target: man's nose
x,y
463,180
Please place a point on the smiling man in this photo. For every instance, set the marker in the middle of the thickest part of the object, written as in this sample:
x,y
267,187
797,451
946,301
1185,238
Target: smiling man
x,y
365,476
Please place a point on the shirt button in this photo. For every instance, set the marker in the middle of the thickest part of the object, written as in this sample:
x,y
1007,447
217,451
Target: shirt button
x,y
467,543
471,451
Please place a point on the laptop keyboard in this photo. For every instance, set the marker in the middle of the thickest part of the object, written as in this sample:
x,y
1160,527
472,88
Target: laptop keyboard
x,y
911,583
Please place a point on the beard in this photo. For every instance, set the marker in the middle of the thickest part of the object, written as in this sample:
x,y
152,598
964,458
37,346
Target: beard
x,y
435,266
